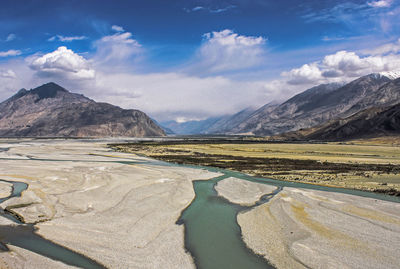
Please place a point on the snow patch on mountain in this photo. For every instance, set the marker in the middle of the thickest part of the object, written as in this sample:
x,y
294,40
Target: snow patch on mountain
x,y
391,74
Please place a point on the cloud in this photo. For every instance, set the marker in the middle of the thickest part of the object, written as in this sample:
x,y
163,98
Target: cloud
x,y
345,65
327,38
220,10
11,37
380,3
393,47
10,53
374,15
341,12
209,9
116,50
161,94
66,38
117,28
308,73
7,74
197,8
227,51
351,65
62,63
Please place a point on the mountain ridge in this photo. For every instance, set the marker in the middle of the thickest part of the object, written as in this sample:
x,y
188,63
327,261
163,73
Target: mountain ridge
x,y
320,104
51,110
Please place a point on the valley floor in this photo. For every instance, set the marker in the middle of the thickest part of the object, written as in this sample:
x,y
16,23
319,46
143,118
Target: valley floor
x,y
372,165
121,209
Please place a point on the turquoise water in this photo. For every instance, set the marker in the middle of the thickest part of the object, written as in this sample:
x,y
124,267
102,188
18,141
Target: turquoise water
x,y
212,234
17,188
24,236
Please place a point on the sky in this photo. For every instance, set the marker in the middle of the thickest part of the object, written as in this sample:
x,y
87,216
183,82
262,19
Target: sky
x,y
193,59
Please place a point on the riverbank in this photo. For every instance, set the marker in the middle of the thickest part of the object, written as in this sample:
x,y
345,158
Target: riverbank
x,y
364,166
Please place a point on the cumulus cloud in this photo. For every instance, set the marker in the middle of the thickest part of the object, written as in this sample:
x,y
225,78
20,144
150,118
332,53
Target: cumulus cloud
x,y
11,37
63,63
117,28
228,51
7,74
10,53
66,38
345,65
306,74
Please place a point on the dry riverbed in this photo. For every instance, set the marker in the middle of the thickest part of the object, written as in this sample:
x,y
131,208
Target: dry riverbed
x,y
118,209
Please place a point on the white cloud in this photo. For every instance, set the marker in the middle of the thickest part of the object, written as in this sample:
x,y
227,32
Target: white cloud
x,y
227,51
116,50
380,3
351,65
7,74
161,94
197,8
10,53
209,9
66,38
63,63
393,47
306,74
117,28
220,10
346,65
11,37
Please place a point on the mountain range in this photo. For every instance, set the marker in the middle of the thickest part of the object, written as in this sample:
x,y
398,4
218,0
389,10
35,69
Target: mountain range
x,y
321,104
52,111
317,108
214,125
365,107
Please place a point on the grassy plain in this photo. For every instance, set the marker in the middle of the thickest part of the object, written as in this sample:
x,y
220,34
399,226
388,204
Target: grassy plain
x,y
372,165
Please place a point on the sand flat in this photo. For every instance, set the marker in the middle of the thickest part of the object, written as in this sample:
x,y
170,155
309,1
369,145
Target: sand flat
x,y
242,192
308,229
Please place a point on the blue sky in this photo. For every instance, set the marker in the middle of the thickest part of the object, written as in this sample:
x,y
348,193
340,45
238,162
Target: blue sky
x,y
216,56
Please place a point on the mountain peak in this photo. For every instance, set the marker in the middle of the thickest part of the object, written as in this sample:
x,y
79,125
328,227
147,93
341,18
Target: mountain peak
x,y
48,90
51,110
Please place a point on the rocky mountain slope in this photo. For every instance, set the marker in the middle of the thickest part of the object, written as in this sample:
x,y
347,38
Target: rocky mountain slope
x,y
321,104
50,110
371,122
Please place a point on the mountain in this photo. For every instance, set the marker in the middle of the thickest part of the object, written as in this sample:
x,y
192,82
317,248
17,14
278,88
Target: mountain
x,y
321,104
226,123
213,125
371,122
51,110
189,127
